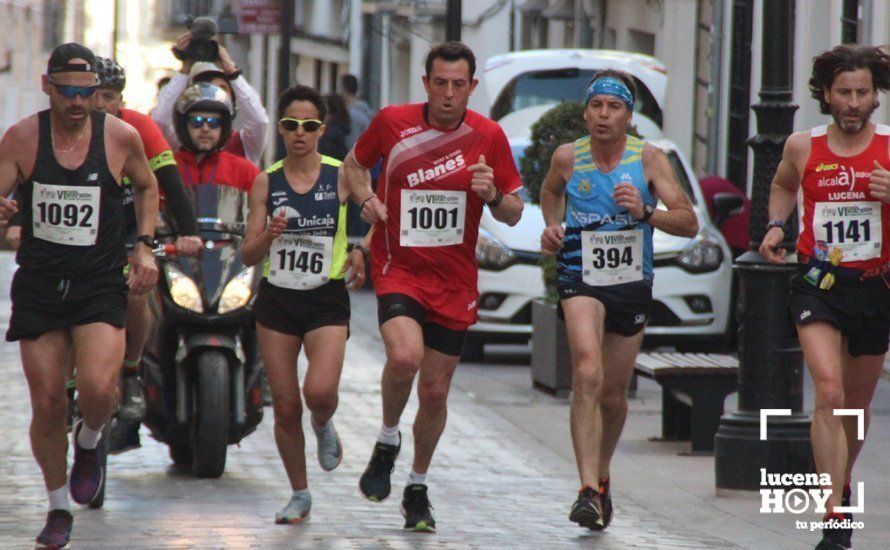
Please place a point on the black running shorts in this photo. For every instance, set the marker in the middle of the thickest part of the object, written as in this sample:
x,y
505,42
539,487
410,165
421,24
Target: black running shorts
x,y
42,304
859,309
435,336
297,312
627,305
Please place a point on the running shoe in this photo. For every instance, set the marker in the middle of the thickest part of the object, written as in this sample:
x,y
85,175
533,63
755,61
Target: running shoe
x,y
132,407
606,503
87,471
296,510
330,449
56,531
586,510
416,509
834,538
374,483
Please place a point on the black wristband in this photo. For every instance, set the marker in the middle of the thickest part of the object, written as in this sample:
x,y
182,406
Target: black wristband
x,y
233,75
496,201
362,205
776,223
147,240
363,250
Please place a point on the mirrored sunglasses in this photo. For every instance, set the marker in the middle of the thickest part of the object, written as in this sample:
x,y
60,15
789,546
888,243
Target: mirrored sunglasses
x,y
71,92
198,120
308,124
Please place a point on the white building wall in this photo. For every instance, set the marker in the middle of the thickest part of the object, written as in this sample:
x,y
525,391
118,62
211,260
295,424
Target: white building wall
x,y
491,37
22,60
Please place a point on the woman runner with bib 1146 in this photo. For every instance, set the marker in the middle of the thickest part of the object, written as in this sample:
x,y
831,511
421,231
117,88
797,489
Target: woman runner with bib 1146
x,y
303,301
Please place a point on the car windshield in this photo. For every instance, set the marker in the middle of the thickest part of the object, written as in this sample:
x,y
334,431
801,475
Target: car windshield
x,y
681,174
553,86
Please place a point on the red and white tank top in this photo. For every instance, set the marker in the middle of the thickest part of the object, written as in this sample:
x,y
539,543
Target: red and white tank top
x,y
838,215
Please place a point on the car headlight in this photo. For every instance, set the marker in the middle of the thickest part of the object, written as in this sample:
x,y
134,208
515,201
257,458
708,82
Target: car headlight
x,y
492,254
702,254
237,292
183,290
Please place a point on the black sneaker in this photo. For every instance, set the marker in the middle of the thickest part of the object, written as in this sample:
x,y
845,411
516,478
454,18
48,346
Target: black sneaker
x,y
374,483
834,538
606,502
132,407
87,471
586,510
56,531
416,509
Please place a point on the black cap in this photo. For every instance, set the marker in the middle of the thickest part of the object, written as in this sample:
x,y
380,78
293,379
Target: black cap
x,y
60,59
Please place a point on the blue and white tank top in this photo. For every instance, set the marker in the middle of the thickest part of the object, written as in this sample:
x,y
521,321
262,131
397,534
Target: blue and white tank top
x,y
604,244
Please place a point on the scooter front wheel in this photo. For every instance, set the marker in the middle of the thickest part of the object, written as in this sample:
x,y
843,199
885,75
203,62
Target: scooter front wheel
x,y
210,428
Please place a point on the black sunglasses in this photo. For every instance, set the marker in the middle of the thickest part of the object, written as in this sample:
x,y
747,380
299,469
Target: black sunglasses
x,y
197,121
292,124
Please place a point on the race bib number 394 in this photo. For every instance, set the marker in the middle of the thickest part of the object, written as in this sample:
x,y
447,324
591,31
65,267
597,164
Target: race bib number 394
x,y
66,214
612,257
300,262
853,227
432,218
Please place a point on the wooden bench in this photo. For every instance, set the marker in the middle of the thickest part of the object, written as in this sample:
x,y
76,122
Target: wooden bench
x,y
693,389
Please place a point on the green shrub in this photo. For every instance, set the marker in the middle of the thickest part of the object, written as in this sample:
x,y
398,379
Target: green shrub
x,y
561,124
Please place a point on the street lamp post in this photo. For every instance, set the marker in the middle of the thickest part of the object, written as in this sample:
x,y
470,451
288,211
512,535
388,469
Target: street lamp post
x,y
453,19
770,359
287,25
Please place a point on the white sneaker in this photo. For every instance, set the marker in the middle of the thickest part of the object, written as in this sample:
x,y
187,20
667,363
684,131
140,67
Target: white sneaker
x,y
330,450
296,510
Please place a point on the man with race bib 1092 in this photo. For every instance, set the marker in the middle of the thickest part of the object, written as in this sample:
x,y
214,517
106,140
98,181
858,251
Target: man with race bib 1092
x,y
606,186
837,177
69,292
442,163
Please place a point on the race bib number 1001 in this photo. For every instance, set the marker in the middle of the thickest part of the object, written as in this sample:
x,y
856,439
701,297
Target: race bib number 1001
x,y
66,214
612,257
300,262
432,218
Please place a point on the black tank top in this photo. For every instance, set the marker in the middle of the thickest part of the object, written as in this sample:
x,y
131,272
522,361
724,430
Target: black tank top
x,y
72,220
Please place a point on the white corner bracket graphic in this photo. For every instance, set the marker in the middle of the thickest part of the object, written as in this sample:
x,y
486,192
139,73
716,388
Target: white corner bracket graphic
x,y
860,502
764,419
860,420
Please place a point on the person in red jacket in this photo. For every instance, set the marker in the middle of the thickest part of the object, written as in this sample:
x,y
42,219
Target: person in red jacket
x,y
203,123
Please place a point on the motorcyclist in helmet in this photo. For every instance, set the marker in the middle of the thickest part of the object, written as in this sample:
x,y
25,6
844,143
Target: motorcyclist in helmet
x,y
203,122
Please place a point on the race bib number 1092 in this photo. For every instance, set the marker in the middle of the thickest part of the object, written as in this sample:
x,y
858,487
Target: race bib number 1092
x,y
66,214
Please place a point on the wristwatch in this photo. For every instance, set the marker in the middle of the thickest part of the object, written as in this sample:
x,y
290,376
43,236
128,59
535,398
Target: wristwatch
x,y
147,240
776,223
496,201
648,210
365,252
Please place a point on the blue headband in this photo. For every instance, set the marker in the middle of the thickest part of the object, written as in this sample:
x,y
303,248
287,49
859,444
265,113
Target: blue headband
x,y
609,86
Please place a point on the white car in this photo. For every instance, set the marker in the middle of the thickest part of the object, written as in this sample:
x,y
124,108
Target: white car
x,y
693,277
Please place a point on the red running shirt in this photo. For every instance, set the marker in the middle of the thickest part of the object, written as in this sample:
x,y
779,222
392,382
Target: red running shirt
x,y
433,215
836,206
157,150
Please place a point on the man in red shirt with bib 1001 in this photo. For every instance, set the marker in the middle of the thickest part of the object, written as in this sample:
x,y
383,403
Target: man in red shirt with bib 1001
x,y
441,164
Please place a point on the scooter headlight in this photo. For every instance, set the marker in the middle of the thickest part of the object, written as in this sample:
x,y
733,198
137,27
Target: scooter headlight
x,y
237,292
183,290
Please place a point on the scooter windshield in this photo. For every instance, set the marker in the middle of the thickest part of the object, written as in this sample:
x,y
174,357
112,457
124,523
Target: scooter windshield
x,y
219,208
